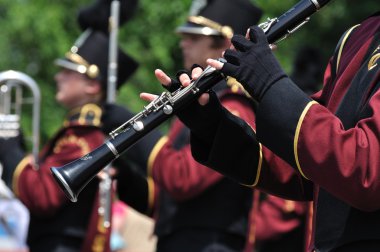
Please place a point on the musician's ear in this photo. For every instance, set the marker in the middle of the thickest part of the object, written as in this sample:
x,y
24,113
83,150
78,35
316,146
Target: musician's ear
x,y
93,87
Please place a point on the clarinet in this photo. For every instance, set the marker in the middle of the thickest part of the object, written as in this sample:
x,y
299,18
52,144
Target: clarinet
x,y
74,176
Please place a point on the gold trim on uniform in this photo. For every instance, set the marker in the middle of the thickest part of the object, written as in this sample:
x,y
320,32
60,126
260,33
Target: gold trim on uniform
x,y
373,61
259,165
83,144
298,129
19,168
342,45
260,162
89,114
90,111
225,30
153,154
152,157
151,191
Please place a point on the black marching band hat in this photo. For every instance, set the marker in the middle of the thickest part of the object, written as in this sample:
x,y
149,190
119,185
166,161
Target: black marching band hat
x,y
97,14
89,54
220,17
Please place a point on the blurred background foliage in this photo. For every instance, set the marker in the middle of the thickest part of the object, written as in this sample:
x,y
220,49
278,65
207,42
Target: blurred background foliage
x,y
35,32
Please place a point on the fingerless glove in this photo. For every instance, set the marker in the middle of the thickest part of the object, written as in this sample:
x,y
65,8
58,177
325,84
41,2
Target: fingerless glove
x,y
253,63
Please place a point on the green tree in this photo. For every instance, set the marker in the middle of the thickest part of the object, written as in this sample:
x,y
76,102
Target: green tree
x,y
35,32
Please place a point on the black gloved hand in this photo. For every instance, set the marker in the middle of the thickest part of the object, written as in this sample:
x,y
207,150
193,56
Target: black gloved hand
x,y
252,63
201,120
11,153
175,84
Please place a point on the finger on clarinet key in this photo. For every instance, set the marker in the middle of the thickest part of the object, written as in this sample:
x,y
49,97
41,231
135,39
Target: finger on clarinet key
x,y
162,77
215,63
148,96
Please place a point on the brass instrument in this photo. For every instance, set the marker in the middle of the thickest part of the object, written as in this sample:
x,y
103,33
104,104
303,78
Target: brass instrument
x,y
13,97
73,177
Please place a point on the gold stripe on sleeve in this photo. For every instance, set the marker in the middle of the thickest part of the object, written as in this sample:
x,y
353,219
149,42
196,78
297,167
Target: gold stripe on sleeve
x,y
154,152
150,193
19,168
259,165
306,109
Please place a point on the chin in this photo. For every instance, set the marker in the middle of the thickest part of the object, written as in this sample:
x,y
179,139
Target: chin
x,y
58,97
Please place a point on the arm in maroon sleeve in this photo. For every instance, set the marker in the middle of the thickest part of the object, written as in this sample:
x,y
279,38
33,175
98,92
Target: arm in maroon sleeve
x,y
319,142
332,143
176,171
36,187
276,217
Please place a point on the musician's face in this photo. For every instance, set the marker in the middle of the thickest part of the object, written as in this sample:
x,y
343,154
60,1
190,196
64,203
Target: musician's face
x,y
197,48
75,89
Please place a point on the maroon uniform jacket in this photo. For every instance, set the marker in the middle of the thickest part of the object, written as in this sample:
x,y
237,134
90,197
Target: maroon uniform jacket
x,y
327,148
55,221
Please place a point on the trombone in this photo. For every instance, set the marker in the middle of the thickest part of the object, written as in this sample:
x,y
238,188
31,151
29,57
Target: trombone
x,y
12,99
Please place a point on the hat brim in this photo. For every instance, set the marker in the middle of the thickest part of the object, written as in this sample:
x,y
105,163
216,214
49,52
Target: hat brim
x,y
192,28
64,63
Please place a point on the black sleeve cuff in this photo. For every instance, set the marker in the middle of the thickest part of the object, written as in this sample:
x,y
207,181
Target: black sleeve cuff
x,y
277,118
235,152
203,120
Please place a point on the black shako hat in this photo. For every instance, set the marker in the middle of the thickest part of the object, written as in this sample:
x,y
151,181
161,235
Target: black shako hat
x,y
220,17
96,15
89,56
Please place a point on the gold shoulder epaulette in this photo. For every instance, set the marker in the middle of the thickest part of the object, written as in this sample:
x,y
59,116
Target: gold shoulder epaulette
x,y
89,114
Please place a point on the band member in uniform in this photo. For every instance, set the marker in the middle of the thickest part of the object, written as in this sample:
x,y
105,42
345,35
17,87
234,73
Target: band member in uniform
x,y
196,208
57,224
322,148
190,197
